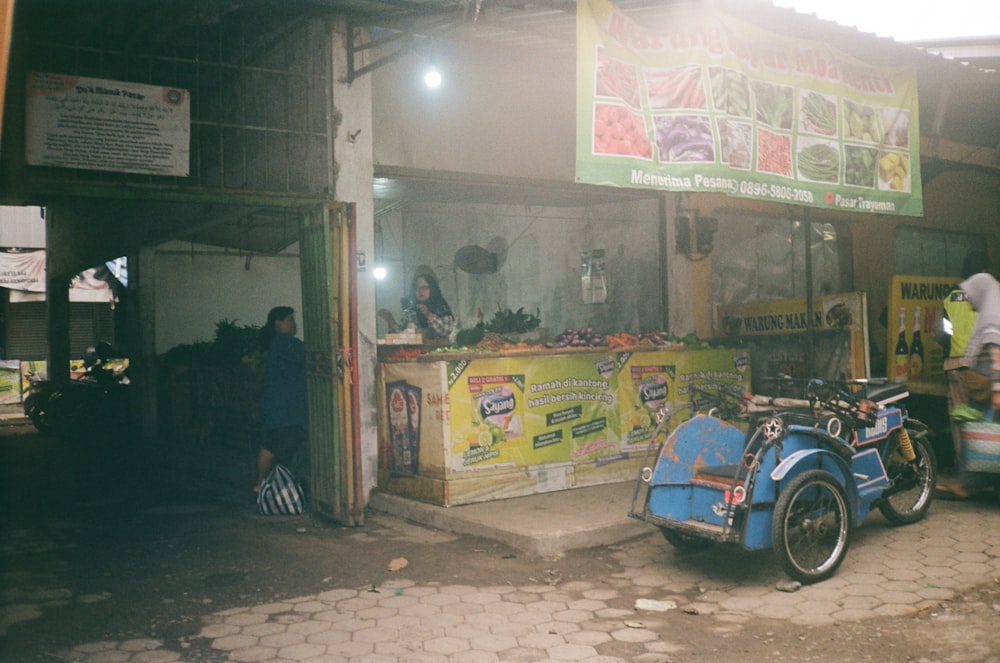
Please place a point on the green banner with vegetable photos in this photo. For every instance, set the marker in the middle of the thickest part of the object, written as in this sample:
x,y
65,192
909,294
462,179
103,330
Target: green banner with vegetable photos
x,y
704,102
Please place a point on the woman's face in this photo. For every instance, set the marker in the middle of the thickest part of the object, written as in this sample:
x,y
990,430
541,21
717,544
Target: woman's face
x,y
423,290
285,325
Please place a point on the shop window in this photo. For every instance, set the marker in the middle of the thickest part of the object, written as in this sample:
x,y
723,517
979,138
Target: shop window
x,y
922,252
759,259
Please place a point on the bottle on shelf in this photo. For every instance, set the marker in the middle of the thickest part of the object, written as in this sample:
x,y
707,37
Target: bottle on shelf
x,y
901,363
916,349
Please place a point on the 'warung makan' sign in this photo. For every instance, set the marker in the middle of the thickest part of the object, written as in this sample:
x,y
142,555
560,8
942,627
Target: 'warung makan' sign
x,y
713,104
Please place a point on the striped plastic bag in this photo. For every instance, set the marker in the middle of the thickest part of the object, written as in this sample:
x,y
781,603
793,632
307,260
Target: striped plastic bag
x,y
280,494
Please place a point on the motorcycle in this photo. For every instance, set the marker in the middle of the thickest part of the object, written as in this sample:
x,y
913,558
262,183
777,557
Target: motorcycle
x,y
794,474
95,403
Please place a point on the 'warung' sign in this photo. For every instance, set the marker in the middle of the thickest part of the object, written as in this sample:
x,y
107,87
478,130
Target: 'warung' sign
x,y
716,105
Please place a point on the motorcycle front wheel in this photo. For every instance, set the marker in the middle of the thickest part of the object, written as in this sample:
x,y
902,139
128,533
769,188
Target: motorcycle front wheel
x,y
811,526
911,485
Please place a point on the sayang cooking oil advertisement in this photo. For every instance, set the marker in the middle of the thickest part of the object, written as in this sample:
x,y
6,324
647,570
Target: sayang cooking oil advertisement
x,y
587,408
521,411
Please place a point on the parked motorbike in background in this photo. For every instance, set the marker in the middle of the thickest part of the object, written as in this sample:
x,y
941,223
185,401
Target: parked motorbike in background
x,y
94,404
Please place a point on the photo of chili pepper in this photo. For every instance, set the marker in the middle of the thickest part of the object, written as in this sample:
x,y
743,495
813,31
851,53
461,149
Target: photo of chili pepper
x,y
819,161
684,138
680,87
774,153
616,78
618,130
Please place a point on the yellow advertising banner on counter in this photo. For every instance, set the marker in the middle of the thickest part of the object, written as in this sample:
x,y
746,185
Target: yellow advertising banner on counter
x,y
585,408
467,430
916,309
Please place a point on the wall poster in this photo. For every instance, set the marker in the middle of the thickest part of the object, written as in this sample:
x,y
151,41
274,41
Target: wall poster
x,y
97,124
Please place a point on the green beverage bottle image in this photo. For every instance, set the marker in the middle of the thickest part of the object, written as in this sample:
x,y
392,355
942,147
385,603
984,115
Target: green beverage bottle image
x,y
901,363
916,349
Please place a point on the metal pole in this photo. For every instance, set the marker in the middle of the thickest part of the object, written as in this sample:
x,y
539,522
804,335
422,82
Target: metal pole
x,y
810,330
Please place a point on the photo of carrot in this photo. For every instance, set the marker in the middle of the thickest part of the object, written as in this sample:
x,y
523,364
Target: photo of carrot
x,y
616,79
680,87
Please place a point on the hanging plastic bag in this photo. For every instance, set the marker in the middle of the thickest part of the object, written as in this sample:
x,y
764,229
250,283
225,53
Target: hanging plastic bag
x,y
280,494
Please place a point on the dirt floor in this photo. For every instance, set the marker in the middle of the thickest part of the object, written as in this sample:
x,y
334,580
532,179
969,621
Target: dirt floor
x,y
123,546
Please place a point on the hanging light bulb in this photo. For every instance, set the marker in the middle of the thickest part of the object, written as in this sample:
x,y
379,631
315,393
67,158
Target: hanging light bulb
x,y
432,77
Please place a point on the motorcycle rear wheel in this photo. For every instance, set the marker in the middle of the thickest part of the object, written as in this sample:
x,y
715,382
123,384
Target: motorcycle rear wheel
x,y
911,486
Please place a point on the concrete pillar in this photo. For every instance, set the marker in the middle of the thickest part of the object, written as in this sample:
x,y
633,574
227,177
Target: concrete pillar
x,y
353,158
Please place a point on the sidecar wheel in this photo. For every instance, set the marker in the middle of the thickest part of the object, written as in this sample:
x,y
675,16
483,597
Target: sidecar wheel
x,y
811,526
911,488
684,542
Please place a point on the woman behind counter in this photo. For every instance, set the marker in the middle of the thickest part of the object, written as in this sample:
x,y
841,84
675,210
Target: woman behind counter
x,y
428,309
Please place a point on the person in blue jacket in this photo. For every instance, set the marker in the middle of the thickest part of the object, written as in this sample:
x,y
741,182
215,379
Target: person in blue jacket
x,y
283,396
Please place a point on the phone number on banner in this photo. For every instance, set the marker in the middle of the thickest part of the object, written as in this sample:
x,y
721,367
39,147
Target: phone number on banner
x,y
775,191
732,186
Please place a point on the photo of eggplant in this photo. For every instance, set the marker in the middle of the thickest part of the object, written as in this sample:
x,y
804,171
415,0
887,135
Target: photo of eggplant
x,y
679,87
730,93
774,104
735,140
684,138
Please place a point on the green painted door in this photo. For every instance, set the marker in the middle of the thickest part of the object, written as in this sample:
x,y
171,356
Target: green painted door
x,y
329,321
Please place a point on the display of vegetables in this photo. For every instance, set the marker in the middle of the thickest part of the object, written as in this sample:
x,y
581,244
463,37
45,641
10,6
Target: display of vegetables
x,y
684,138
508,321
774,104
730,93
860,122
582,339
617,79
819,162
774,153
578,338
617,130
859,165
819,114
681,87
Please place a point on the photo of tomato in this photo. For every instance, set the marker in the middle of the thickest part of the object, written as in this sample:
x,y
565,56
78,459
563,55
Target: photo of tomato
x,y
617,130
